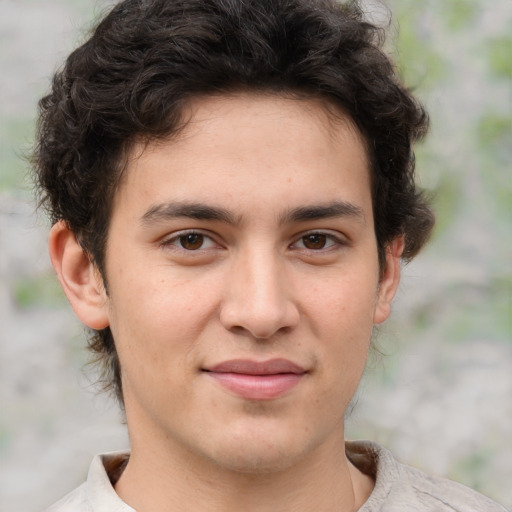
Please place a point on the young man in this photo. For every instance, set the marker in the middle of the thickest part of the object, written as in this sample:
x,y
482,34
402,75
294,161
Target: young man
x,y
231,185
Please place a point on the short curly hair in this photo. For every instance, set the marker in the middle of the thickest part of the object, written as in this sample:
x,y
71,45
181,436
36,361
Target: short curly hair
x,y
146,59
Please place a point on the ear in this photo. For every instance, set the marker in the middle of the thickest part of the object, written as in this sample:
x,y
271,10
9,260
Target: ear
x,y
390,280
79,277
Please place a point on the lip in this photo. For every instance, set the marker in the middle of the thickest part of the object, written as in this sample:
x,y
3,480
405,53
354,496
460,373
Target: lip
x,y
257,380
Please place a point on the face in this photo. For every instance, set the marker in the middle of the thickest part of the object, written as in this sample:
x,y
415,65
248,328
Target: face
x,y
244,283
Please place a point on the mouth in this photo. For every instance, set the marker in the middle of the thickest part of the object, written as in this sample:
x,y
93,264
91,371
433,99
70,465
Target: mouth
x,y
257,380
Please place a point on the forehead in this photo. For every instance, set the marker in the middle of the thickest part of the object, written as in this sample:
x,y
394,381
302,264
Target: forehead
x,y
253,149
240,115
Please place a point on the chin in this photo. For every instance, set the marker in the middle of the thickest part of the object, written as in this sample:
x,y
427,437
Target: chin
x,y
259,453
256,462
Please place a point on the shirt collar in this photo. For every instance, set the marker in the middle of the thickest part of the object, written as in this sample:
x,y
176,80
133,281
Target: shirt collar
x,y
100,491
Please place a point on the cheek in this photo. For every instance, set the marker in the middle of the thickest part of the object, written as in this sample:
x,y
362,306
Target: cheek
x,y
344,326
346,301
156,328
158,319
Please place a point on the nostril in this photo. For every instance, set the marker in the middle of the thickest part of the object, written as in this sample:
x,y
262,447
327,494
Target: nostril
x,y
260,325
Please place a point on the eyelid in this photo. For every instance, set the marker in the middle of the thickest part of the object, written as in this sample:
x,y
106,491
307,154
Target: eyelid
x,y
338,239
170,239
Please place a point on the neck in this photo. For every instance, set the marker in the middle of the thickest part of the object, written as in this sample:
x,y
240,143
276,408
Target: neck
x,y
168,480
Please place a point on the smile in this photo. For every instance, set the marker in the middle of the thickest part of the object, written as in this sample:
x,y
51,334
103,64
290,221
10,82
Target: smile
x,y
253,380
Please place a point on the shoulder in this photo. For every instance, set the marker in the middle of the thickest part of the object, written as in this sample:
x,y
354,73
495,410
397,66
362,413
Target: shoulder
x,y
400,487
435,493
97,494
75,501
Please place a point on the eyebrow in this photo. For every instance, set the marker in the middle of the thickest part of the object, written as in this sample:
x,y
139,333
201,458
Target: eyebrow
x,y
199,211
318,212
166,211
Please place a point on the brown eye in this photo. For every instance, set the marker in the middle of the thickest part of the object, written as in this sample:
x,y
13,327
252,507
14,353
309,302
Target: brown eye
x,y
314,241
192,241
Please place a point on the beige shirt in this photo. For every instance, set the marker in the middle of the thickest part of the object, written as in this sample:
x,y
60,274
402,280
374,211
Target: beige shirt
x,y
398,488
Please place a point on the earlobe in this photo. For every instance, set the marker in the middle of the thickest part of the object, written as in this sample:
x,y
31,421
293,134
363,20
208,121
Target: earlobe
x,y
78,277
390,280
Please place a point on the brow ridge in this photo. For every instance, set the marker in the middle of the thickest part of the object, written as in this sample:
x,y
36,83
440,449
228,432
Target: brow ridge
x,y
323,211
200,211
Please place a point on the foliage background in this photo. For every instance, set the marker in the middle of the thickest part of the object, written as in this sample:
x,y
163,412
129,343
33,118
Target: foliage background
x,y
441,395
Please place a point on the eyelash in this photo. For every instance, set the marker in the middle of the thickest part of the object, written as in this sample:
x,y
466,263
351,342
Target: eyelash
x,y
332,242
175,240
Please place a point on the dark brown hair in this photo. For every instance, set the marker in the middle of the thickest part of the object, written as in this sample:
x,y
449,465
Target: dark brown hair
x,y
131,79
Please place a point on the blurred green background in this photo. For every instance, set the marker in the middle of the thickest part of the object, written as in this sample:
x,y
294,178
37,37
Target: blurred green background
x,y
439,395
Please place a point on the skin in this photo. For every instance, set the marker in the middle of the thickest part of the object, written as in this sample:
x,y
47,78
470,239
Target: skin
x,y
257,279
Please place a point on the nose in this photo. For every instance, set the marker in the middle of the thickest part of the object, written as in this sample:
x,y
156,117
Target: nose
x,y
258,298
